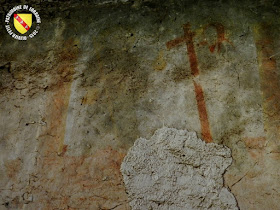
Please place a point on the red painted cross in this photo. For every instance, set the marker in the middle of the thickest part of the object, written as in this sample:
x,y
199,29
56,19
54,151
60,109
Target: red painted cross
x,y
203,116
21,22
220,36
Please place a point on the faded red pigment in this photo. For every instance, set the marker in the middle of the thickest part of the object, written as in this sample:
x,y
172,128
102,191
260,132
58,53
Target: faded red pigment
x,y
203,116
220,29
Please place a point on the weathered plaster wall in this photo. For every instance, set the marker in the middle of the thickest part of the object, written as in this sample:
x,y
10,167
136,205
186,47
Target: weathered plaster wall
x,y
101,74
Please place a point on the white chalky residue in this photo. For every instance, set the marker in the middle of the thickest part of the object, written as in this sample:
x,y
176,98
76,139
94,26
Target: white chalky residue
x,y
176,170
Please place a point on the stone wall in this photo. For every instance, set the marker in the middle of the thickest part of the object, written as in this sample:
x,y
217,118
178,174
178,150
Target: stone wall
x,y
100,74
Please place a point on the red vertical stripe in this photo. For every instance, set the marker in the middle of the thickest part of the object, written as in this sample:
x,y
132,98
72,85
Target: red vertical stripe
x,y
203,116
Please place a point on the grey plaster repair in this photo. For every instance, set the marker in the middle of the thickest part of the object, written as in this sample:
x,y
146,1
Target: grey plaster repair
x,y
177,170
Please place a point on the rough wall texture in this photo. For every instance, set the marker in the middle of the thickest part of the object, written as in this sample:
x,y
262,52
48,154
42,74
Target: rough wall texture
x,y
100,74
176,170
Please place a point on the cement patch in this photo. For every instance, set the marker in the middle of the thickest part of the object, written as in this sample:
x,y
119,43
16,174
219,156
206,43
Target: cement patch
x,y
177,170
